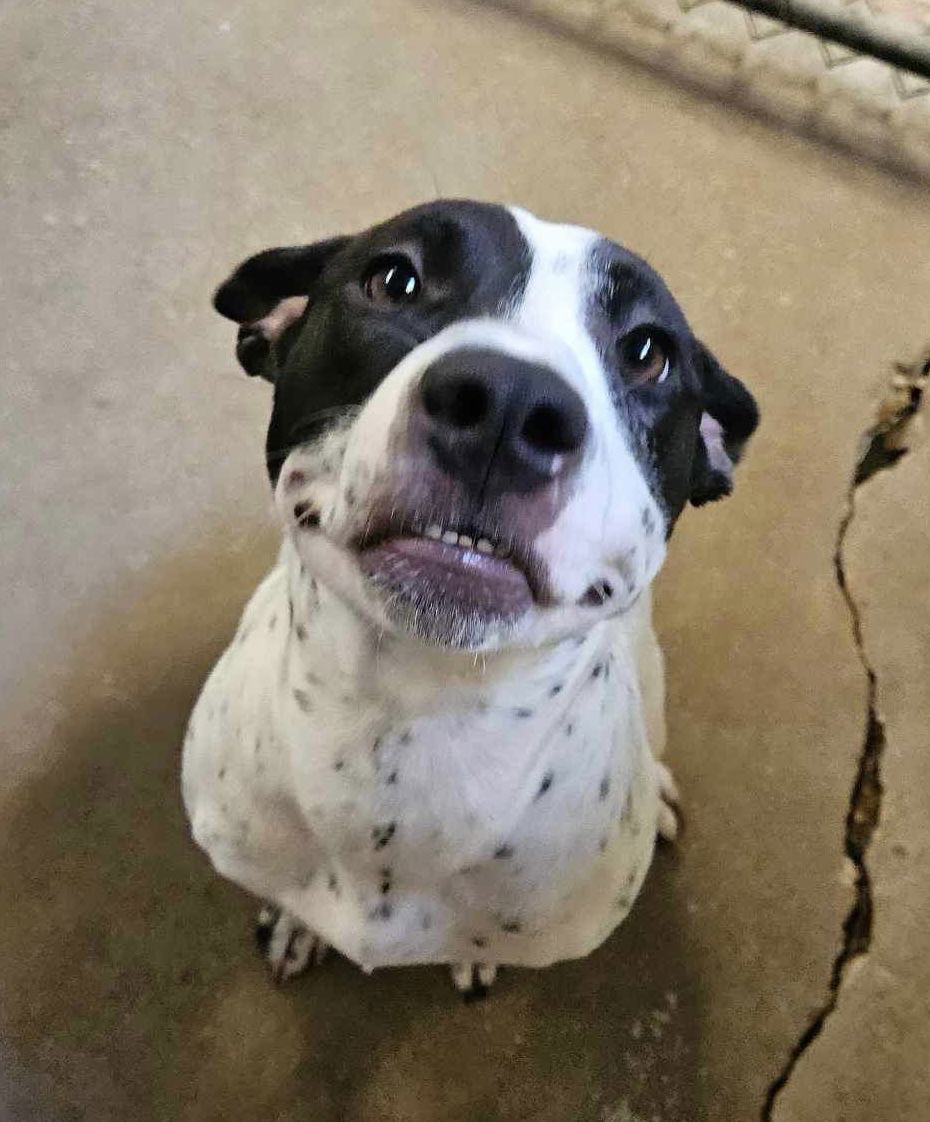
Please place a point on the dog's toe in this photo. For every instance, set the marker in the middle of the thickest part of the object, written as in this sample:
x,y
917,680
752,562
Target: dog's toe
x,y
670,819
473,979
288,946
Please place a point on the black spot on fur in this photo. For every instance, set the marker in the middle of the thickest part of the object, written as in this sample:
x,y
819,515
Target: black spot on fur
x,y
386,881
556,689
523,713
602,844
221,774
333,882
383,911
623,903
381,835
503,852
405,737
512,926
648,521
426,922
545,785
598,670
479,941
392,778
272,622
569,729
604,789
350,497
627,805
301,632
303,699
339,765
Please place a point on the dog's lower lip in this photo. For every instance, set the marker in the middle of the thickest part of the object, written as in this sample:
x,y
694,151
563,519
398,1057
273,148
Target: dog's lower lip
x,y
480,582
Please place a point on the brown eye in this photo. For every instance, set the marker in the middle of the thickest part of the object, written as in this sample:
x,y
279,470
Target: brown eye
x,y
646,354
391,281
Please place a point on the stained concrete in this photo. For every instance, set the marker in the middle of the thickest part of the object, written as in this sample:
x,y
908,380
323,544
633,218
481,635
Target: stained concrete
x,y
146,148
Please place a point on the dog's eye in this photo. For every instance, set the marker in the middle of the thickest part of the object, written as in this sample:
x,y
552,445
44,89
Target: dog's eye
x,y
391,280
646,354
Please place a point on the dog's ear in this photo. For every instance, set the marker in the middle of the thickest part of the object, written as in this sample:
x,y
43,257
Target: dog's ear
x,y
266,295
730,416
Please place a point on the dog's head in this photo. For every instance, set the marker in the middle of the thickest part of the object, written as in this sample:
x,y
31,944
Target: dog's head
x,y
484,426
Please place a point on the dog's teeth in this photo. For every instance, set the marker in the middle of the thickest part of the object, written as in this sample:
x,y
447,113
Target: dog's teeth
x,y
465,541
434,531
484,546
450,537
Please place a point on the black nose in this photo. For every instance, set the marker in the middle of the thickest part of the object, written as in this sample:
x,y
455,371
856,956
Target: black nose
x,y
501,424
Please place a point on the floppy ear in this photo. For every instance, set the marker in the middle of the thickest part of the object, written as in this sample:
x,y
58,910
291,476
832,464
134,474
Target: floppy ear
x,y
266,295
729,418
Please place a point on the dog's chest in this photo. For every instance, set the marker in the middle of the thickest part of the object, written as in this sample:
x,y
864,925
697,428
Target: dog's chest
x,y
424,827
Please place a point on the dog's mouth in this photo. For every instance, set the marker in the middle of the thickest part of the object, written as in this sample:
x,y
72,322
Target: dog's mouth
x,y
442,576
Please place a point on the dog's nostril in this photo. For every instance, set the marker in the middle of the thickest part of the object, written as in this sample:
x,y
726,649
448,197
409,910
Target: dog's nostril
x,y
461,404
550,429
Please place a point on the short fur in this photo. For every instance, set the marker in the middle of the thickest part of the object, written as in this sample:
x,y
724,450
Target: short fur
x,y
401,778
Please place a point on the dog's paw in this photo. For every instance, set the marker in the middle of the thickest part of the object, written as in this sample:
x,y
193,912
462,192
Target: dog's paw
x,y
473,979
670,819
289,947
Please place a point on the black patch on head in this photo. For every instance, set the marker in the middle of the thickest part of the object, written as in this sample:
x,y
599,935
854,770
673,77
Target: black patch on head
x,y
382,835
545,785
663,417
471,259
503,852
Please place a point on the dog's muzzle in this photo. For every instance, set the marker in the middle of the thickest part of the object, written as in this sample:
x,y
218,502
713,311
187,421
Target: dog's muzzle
x,y
492,437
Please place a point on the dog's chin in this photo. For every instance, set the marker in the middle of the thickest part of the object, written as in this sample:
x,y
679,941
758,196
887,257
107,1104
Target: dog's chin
x,y
445,595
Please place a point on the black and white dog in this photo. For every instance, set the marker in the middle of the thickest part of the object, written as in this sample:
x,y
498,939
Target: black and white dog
x,y
434,738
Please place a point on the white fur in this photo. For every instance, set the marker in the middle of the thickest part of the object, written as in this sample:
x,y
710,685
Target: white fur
x,y
408,804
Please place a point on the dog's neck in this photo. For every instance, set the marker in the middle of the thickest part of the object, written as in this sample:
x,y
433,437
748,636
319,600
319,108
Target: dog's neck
x,y
350,657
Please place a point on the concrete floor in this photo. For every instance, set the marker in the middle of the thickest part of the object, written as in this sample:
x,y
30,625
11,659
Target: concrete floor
x,y
148,147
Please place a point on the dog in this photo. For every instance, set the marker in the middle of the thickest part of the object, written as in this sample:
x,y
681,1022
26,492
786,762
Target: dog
x,y
436,734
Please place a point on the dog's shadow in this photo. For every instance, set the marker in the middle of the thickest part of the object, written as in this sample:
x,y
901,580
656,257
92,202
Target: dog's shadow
x,y
131,988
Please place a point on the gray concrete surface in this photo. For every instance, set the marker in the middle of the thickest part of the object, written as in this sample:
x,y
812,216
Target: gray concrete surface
x,y
145,149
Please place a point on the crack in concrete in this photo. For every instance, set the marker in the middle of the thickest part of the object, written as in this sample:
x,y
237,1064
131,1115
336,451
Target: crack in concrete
x,y
883,445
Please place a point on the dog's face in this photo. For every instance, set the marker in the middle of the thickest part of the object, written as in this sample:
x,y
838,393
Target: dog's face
x,y
484,425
